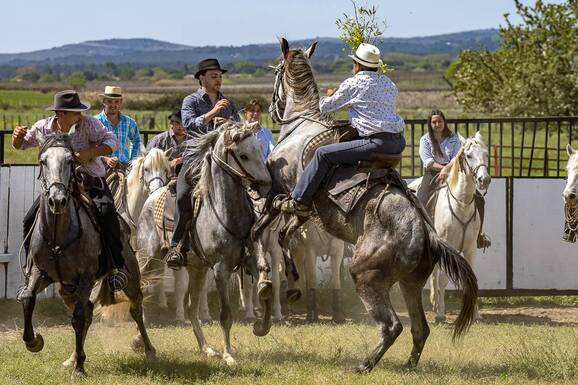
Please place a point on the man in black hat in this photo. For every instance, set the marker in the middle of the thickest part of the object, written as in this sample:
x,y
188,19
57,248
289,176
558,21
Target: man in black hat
x,y
201,112
91,141
202,108
171,139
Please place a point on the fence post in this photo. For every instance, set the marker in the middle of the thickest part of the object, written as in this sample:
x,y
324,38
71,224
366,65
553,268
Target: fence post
x,y
152,123
1,148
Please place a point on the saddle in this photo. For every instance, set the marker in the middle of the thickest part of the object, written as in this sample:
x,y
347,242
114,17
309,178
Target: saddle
x,y
164,211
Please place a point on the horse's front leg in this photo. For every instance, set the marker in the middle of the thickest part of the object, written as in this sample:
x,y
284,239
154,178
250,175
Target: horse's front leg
x,y
81,320
222,277
27,297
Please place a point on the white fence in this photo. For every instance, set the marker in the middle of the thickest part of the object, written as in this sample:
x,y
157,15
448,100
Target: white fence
x,y
527,253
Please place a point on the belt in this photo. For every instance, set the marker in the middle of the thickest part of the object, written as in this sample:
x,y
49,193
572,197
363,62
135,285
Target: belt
x,y
388,135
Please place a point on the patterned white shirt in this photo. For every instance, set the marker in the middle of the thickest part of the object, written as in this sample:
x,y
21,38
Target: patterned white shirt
x,y
450,146
371,100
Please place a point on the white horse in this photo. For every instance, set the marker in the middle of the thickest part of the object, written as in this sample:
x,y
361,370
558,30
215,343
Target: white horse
x,y
455,215
306,245
570,194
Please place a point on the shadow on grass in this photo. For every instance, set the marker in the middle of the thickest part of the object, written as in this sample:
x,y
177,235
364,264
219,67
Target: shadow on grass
x,y
190,370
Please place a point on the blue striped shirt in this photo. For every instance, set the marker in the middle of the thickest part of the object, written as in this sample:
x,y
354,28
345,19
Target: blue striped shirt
x,y
450,146
126,130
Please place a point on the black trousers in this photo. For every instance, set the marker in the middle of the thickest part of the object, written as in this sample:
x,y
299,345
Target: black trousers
x,y
107,220
183,210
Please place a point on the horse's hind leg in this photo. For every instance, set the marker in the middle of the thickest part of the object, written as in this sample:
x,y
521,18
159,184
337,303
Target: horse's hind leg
x,y
222,275
371,286
181,291
135,296
419,328
27,297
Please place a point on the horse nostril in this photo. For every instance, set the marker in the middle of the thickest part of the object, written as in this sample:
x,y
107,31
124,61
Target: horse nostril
x,y
571,196
63,202
51,202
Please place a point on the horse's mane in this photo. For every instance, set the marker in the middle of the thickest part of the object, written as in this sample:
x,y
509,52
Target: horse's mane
x,y
57,139
197,147
299,77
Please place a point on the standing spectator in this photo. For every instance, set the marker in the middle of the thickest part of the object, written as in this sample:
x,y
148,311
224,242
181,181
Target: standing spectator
x,y
124,127
253,110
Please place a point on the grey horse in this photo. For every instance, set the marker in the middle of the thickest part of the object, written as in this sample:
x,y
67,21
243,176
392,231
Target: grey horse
x,y
65,248
393,241
225,164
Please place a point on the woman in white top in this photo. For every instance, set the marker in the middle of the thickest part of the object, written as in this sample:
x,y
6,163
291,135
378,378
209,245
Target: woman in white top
x,y
437,149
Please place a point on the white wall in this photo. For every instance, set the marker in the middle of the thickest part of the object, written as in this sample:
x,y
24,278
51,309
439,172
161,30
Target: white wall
x,y
541,259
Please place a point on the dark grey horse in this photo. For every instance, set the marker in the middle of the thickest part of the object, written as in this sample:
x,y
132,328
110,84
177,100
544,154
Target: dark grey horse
x,y
393,242
225,162
65,248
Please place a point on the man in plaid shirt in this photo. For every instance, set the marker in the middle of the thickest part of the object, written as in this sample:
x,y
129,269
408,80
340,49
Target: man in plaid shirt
x,y
124,127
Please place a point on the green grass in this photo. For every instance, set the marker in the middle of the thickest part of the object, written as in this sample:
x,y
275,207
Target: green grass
x,y
305,354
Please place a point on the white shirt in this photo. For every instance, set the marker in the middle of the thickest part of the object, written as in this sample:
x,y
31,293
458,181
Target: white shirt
x,y
371,99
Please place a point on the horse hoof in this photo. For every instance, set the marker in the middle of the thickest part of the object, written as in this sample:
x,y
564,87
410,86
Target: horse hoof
x,y
265,290
293,295
260,329
339,319
210,352
137,344
36,345
78,373
69,363
151,355
360,369
440,320
229,360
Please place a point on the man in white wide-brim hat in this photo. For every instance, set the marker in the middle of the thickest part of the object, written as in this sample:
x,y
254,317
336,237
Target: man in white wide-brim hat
x,y
370,98
123,126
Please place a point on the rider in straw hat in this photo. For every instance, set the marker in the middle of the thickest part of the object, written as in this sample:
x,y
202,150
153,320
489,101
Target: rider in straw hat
x,y
371,100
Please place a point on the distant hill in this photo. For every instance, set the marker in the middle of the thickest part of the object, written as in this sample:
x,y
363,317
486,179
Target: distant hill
x,y
154,52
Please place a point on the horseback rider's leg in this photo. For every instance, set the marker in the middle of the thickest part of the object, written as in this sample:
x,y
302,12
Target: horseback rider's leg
x,y
426,190
176,257
480,202
347,153
28,222
109,224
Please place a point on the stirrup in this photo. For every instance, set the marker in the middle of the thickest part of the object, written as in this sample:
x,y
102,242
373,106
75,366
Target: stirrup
x,y
175,259
289,205
117,280
484,242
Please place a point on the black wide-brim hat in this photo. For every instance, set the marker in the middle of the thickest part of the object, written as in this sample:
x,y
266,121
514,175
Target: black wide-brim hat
x,y
208,64
68,100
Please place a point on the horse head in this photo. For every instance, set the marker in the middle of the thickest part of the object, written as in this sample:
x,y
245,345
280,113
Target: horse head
x,y
293,80
153,169
571,190
57,164
238,151
475,155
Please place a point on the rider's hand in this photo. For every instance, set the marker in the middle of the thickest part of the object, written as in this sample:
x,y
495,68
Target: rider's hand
x,y
330,91
19,132
217,120
85,156
175,162
111,162
221,105
443,175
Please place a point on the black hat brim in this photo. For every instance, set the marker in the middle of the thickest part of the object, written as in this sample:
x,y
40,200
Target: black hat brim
x,y
83,106
199,73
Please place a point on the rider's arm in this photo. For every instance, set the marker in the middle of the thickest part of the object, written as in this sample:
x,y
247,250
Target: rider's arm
x,y
192,121
341,98
29,140
135,140
102,138
426,153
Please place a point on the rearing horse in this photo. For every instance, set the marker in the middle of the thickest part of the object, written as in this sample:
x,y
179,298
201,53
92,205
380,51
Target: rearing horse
x,y
393,242
65,248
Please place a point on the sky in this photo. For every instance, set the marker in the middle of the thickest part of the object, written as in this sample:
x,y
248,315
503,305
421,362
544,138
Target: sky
x,y
33,25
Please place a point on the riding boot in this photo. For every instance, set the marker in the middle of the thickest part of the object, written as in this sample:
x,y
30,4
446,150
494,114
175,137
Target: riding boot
x,y
569,235
483,240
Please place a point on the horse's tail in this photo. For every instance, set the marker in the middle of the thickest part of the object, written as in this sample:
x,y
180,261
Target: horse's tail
x,y
461,274
111,306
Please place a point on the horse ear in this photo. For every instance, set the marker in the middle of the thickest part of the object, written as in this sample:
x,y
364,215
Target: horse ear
x,y
169,152
478,137
310,50
72,130
570,150
40,138
254,127
462,139
284,47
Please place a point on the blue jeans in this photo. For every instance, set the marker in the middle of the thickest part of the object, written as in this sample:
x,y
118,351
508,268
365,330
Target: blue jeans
x,y
347,153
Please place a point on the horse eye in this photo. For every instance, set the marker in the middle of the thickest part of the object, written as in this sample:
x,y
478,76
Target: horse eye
x,y
244,157
146,169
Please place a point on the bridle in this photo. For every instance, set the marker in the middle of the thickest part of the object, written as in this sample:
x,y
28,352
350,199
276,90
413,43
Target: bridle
x,y
243,177
68,188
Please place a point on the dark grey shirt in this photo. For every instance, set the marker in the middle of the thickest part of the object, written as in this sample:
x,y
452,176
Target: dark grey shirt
x,y
197,104
164,141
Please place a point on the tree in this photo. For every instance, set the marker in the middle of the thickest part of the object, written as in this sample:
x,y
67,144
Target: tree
x,y
77,80
533,72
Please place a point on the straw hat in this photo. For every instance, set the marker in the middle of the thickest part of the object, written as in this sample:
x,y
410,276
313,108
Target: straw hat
x,y
367,55
112,92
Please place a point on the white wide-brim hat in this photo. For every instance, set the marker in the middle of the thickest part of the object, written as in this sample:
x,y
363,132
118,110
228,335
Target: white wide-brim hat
x,y
367,55
112,92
